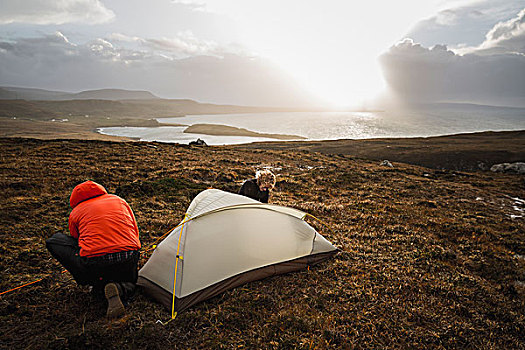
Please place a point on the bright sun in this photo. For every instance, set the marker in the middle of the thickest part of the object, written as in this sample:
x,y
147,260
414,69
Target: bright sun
x,y
330,47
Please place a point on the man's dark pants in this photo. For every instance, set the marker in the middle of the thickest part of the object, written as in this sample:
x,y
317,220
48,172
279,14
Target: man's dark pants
x,y
97,271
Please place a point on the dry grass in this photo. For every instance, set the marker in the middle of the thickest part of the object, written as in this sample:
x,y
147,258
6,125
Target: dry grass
x,y
430,259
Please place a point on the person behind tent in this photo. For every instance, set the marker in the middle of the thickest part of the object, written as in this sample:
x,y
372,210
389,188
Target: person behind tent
x,y
103,248
260,187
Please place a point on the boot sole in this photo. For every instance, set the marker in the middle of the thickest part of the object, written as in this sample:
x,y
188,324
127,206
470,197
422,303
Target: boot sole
x,y
115,306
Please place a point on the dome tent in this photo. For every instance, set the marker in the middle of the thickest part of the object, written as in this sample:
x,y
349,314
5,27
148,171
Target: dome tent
x,y
226,240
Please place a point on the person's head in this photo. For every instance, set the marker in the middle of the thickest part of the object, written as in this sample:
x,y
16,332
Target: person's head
x,y
265,179
84,191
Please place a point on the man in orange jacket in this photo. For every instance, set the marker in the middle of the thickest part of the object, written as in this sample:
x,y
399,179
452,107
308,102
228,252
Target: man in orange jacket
x,y
103,249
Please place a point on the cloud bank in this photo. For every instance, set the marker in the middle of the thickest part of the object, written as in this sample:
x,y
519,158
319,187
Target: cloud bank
x,y
181,67
492,73
461,26
505,37
54,12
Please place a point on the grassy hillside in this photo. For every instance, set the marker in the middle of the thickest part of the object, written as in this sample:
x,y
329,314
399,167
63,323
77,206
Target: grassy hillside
x,y
472,151
157,108
429,258
225,130
80,118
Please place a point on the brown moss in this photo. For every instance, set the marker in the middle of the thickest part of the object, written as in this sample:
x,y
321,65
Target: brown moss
x,y
424,262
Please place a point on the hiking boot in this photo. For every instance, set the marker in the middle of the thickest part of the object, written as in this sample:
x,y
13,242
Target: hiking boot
x,y
115,306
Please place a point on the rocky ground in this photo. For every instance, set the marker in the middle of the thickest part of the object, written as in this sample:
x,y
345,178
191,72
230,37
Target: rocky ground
x,y
429,258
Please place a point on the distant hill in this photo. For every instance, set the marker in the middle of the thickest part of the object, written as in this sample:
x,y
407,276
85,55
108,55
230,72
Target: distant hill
x,y
113,94
458,106
132,108
16,93
7,95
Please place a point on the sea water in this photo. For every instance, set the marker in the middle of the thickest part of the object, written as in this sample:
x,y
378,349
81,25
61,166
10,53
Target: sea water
x,y
428,120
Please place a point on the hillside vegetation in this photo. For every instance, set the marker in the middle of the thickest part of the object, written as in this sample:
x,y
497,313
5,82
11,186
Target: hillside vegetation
x,y
142,109
80,119
469,151
429,258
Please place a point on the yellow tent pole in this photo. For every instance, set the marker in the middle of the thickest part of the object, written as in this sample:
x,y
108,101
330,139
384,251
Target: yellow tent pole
x,y
177,258
321,221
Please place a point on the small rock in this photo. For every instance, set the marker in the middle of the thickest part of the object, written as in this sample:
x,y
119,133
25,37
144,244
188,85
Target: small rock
x,y
519,286
511,168
199,142
386,163
498,168
482,166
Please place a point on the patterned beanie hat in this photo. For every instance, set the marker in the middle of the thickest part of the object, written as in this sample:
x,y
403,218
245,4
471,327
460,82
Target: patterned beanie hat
x,y
265,178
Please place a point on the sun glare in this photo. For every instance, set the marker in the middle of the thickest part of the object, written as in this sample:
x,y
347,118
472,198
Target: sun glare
x,y
330,47
347,87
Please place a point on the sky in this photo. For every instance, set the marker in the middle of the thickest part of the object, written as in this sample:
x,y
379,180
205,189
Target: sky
x,y
274,53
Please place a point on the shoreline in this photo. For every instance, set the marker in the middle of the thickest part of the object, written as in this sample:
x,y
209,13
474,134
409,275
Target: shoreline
x,y
456,152
211,130
472,151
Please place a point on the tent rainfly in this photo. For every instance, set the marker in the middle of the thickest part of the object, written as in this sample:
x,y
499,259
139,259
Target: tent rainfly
x,y
224,241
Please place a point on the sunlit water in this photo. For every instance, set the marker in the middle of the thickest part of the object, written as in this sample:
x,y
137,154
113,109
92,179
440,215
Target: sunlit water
x,y
423,121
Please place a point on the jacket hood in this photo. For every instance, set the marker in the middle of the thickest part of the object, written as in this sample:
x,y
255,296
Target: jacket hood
x,y
84,191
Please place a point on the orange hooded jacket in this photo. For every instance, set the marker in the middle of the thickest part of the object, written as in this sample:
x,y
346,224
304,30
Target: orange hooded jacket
x,y
103,223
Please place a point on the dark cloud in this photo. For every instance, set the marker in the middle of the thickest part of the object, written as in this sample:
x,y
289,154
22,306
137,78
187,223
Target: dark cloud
x,y
53,62
54,12
493,73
